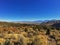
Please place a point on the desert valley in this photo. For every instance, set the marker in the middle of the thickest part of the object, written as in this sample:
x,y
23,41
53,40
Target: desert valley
x,y
45,33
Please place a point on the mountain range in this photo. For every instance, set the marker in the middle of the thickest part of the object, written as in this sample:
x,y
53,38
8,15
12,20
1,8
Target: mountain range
x,y
38,21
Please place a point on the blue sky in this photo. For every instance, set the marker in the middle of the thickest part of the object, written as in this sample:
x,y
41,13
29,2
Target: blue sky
x,y
26,10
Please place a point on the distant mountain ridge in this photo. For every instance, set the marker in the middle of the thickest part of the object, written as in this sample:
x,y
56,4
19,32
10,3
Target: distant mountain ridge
x,y
29,22
53,23
39,21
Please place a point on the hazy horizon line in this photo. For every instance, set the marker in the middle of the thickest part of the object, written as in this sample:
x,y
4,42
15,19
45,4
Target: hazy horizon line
x,y
25,20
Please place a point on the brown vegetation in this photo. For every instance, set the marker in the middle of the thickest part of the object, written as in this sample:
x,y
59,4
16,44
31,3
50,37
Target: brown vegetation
x,y
28,34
